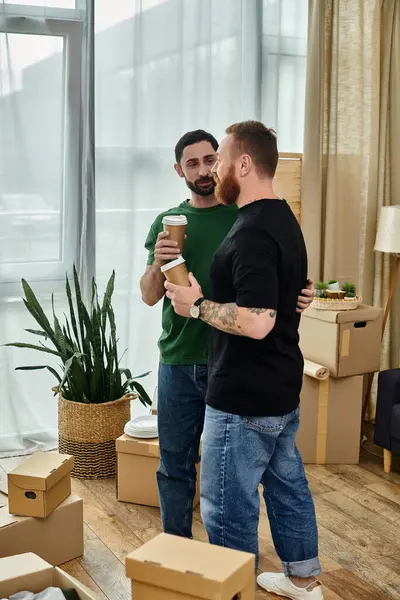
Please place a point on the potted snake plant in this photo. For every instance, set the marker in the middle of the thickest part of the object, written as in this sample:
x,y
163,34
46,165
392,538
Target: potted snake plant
x,y
94,391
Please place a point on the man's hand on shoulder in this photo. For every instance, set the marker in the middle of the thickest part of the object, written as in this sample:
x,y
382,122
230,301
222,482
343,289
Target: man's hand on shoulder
x,y
306,297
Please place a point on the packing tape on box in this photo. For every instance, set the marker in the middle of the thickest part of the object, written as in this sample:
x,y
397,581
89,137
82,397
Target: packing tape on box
x,y
345,346
322,425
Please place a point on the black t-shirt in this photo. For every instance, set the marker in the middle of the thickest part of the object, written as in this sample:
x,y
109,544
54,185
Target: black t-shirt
x,y
262,263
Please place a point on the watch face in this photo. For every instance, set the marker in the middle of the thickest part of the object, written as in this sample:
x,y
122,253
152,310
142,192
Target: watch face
x,y
194,311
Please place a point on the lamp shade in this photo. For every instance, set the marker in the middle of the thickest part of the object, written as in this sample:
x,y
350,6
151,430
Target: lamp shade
x,y
388,234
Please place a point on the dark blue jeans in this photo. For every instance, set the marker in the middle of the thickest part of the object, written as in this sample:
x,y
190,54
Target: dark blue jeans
x,y
238,454
181,407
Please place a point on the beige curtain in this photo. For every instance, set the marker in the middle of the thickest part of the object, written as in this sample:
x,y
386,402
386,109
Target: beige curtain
x,y
352,132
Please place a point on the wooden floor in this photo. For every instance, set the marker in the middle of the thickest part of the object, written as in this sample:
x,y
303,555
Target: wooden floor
x,y
358,510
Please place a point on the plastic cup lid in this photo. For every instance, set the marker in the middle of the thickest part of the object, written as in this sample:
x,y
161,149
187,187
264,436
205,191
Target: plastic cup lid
x,y
174,263
174,220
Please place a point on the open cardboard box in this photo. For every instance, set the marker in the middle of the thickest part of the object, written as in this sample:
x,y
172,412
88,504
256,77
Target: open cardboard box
x,y
346,342
39,484
57,539
28,572
137,464
176,568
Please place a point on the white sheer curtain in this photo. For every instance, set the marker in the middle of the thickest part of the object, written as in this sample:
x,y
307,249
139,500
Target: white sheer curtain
x,y
43,158
164,67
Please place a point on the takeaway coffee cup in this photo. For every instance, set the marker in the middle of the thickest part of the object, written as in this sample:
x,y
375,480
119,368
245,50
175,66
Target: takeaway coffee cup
x,y
176,272
176,226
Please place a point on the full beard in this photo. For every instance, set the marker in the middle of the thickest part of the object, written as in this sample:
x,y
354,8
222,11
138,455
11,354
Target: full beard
x,y
201,190
228,189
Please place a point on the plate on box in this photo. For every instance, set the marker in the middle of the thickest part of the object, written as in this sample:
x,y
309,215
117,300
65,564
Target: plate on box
x,y
142,427
336,304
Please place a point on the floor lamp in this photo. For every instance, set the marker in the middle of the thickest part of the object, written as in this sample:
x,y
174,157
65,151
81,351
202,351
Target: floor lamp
x,y
388,241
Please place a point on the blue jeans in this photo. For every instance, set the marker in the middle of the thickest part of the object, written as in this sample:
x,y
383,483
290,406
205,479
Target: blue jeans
x,y
181,407
238,454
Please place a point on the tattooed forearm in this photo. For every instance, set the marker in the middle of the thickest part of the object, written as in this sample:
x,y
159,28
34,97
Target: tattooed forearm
x,y
248,322
221,316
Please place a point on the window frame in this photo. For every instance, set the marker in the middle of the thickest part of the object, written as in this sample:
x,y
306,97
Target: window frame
x,y
20,19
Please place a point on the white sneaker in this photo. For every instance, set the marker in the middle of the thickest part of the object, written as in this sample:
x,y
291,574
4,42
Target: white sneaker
x,y
279,584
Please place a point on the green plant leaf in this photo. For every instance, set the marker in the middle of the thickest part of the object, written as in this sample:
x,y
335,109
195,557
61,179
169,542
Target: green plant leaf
x,y
39,368
60,343
33,347
79,304
107,299
133,379
34,307
72,311
142,394
126,372
67,367
141,376
37,332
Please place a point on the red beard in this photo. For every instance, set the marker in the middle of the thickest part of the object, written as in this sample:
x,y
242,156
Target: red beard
x,y
228,189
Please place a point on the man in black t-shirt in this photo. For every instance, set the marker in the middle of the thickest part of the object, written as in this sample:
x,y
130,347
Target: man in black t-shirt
x,y
255,368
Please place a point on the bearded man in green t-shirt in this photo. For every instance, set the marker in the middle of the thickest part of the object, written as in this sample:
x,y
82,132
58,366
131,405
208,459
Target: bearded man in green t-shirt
x,y
182,375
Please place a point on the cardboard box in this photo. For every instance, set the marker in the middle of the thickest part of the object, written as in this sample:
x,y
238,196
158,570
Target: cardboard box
x,y
57,539
137,464
330,420
346,342
28,572
182,569
39,484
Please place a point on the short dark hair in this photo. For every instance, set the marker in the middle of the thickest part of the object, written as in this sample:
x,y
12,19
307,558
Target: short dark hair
x,y
194,137
259,142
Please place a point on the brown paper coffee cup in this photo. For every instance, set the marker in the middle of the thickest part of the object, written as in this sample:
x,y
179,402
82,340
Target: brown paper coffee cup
x,y
176,272
176,226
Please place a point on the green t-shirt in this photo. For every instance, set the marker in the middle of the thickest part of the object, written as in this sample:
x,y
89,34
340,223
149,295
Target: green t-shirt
x,y
184,341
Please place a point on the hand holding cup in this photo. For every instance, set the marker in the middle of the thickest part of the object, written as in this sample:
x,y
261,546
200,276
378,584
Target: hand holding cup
x,y
165,248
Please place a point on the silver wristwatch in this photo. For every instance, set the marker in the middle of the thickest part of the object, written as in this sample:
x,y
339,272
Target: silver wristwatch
x,y
195,310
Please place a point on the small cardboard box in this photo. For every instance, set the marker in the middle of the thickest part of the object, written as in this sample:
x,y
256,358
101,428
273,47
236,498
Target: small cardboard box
x,y
57,539
28,572
346,342
137,464
182,569
39,484
330,420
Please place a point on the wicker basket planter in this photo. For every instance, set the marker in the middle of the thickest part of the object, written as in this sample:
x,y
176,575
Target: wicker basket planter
x,y
89,431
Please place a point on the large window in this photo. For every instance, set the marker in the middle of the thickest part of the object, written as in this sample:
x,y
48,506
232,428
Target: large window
x,y
163,67
40,61
40,196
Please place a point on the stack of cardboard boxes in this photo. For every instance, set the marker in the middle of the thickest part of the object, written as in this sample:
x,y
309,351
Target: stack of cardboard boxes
x,y
41,515
348,343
